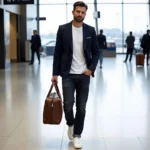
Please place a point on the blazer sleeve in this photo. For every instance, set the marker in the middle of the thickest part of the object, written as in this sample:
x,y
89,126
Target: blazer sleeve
x,y
57,53
105,42
39,40
95,52
133,39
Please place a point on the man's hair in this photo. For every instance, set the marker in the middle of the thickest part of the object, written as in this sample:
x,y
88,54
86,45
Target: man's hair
x,y
101,31
130,32
148,31
34,30
79,3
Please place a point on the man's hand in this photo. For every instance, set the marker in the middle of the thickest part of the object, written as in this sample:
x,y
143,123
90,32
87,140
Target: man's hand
x,y
54,79
87,72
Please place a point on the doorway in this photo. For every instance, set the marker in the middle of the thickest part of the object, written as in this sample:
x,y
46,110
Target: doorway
x,y
13,37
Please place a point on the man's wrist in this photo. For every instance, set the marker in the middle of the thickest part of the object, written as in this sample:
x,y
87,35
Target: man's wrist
x,y
55,75
90,70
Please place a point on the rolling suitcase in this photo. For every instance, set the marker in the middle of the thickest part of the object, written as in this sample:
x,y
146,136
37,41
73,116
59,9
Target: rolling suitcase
x,y
139,59
52,113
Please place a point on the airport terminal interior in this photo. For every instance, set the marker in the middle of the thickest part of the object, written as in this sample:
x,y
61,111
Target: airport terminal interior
x,y
118,110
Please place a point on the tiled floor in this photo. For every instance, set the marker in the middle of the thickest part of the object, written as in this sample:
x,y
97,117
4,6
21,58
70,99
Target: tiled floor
x,y
118,109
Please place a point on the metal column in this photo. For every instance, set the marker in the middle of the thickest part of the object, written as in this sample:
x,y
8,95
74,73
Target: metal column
x,y
96,19
38,15
149,14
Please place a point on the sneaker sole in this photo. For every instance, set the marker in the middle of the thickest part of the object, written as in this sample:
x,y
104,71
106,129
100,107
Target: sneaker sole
x,y
78,147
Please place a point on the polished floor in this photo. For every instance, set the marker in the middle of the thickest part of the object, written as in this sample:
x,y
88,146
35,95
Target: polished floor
x,y
118,108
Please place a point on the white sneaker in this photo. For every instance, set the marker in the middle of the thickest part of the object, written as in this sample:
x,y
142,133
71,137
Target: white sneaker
x,y
70,132
76,143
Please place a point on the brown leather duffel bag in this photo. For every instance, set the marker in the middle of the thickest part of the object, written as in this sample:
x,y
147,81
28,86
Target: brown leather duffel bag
x,y
53,110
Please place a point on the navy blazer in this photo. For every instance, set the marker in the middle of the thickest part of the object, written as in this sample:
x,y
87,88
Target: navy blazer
x,y
35,42
63,52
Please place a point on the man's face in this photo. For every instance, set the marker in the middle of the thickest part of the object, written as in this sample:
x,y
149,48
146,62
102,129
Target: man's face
x,y
79,14
34,32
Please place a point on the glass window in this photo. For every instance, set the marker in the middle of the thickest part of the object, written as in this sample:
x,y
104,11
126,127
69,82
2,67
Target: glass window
x,y
89,16
85,1
109,1
136,19
111,23
52,1
135,1
48,28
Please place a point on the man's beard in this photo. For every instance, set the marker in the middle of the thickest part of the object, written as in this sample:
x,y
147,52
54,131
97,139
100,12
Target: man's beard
x,y
78,19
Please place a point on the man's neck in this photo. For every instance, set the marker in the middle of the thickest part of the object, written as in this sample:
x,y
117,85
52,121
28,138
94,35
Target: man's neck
x,y
77,24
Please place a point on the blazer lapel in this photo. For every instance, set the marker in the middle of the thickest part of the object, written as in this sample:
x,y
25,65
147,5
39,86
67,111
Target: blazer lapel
x,y
84,37
70,35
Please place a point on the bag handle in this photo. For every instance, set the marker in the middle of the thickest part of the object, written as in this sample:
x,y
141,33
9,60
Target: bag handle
x,y
56,88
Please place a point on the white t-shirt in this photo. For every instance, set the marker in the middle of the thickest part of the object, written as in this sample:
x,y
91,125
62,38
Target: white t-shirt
x,y
78,61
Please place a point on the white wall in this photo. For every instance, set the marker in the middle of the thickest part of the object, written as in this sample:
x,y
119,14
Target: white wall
x,y
7,35
11,8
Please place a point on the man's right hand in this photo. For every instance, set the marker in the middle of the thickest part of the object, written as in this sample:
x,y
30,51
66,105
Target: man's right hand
x,y
54,79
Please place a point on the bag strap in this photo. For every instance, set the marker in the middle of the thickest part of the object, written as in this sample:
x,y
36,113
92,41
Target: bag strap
x,y
56,88
49,92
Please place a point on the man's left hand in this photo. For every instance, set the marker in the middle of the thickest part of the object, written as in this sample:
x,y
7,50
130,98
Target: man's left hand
x,y
87,72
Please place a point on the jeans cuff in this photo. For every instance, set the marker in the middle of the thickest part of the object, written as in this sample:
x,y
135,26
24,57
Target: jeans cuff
x,y
70,125
76,135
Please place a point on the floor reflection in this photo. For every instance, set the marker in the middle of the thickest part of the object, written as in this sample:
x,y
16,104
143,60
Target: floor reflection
x,y
118,108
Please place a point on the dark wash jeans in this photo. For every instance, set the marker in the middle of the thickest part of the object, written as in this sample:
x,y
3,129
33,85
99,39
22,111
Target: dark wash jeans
x,y
32,55
129,52
80,84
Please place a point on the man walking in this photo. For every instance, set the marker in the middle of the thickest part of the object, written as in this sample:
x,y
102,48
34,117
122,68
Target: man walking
x,y
145,43
130,46
35,46
75,58
102,45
